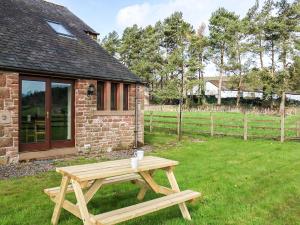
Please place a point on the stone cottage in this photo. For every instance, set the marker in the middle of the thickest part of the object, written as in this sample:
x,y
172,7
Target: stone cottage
x,y
60,92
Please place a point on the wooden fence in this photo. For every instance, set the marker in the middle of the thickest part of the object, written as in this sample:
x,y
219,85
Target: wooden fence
x,y
291,110
245,127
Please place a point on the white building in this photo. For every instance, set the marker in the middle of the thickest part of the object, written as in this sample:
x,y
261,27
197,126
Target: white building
x,y
212,87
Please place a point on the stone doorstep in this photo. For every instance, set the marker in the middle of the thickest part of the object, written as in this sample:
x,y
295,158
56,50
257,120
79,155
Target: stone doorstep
x,y
49,154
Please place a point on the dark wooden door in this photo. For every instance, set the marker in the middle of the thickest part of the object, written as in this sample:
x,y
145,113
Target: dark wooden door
x,y
46,113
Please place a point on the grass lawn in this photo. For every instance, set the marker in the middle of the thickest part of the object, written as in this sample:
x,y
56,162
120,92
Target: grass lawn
x,y
228,123
254,182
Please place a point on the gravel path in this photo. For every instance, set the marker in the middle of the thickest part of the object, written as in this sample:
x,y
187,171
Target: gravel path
x,y
25,169
41,166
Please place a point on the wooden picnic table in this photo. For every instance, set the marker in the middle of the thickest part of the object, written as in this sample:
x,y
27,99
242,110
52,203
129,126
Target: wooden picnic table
x,y
93,176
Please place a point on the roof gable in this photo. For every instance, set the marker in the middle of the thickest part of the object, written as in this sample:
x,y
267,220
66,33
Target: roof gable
x,y
28,43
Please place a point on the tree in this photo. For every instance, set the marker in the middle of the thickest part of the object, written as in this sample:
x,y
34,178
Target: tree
x,y
287,21
254,24
237,49
197,57
150,60
259,37
131,47
111,43
176,43
221,36
271,31
175,33
294,69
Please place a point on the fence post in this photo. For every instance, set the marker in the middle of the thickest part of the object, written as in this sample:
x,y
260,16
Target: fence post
x,y
245,126
151,120
211,124
282,127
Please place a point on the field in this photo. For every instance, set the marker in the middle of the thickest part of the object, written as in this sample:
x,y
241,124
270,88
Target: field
x,y
254,182
225,123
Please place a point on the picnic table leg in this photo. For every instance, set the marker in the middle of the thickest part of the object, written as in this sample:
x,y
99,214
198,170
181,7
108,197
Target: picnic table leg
x,y
172,180
93,189
149,180
144,188
154,186
142,193
60,200
81,203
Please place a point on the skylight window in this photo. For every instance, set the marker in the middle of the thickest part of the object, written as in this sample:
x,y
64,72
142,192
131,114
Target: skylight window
x,y
60,29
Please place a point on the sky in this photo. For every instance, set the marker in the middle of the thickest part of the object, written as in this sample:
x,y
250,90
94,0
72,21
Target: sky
x,y
105,16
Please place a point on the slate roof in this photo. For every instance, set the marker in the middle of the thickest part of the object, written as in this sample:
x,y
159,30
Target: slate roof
x,y
29,44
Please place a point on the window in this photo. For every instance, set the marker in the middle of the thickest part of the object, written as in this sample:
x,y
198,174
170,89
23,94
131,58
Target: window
x,y
125,96
114,96
60,29
100,95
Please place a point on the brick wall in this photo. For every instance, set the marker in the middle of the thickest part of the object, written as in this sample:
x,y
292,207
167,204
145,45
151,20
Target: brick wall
x,y
105,130
9,108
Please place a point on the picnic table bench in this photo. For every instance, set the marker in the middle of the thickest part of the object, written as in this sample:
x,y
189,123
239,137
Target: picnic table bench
x,y
93,176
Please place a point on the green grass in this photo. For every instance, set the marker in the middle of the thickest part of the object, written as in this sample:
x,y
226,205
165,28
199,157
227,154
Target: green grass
x,y
259,125
254,182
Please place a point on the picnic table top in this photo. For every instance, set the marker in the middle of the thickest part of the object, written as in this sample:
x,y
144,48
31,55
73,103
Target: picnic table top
x,y
107,169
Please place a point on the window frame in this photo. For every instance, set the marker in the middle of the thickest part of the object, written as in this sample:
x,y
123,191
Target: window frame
x,y
126,96
115,92
100,98
69,35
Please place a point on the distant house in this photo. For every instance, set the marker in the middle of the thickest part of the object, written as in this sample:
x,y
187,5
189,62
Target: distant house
x,y
227,91
212,84
60,92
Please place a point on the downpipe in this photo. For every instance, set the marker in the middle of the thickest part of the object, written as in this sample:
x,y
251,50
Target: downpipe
x,y
136,114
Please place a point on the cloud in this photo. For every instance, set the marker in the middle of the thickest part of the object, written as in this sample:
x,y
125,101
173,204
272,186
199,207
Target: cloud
x,y
194,11
146,13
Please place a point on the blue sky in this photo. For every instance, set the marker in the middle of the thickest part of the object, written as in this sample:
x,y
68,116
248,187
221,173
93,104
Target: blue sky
x,y
105,16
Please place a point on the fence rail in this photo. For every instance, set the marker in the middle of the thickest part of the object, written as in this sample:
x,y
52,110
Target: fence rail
x,y
245,127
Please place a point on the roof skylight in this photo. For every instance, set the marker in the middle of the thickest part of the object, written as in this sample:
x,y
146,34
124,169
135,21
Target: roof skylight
x,y
60,29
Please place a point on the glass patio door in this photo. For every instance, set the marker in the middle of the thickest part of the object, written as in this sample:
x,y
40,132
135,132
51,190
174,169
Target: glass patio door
x,y
46,109
34,113
61,114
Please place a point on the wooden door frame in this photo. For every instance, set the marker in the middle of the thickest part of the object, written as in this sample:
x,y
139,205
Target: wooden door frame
x,y
64,143
34,146
48,144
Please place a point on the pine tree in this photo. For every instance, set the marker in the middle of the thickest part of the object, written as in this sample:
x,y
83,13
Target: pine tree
x,y
197,57
238,50
149,65
221,36
271,31
287,21
131,44
258,40
111,43
175,33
